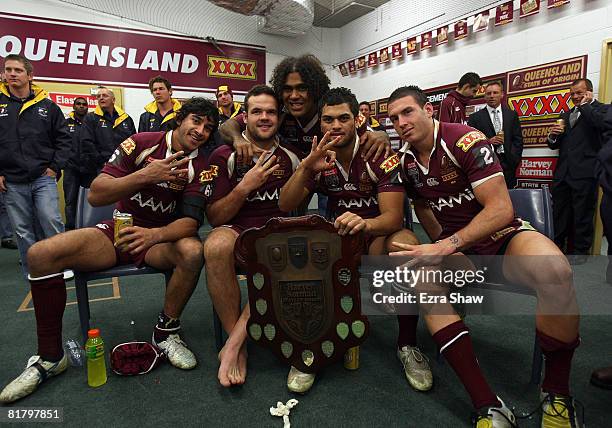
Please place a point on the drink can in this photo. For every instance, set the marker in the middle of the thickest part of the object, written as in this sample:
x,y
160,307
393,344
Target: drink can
x,y
122,220
351,358
560,122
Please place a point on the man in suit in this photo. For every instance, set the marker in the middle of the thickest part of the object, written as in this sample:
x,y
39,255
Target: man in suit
x,y
502,127
574,189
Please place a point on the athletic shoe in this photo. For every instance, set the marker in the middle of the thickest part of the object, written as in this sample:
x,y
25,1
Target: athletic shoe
x,y
177,352
494,417
559,411
416,367
37,371
298,381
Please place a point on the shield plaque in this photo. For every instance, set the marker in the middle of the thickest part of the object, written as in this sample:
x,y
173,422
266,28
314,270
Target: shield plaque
x,y
303,286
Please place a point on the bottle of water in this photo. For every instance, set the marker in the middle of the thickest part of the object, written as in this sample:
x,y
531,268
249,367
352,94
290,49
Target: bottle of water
x,y
74,351
96,367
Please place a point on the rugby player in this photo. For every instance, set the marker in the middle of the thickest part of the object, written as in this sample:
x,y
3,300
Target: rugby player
x,y
244,196
299,84
159,113
363,195
156,177
461,199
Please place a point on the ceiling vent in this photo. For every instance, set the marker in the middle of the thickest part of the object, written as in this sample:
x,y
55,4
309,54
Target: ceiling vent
x,y
280,17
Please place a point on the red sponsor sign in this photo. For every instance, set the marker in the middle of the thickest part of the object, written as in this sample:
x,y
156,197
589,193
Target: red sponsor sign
x,y
529,7
541,168
542,105
343,70
504,13
396,50
361,63
383,55
557,3
412,47
372,59
352,67
481,21
535,134
461,29
553,75
67,100
83,52
426,41
442,35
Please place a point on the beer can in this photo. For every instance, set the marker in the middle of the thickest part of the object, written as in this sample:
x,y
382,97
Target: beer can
x,y
122,220
560,122
351,358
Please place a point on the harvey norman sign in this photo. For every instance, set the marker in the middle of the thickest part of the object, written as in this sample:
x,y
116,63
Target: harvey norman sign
x,y
90,53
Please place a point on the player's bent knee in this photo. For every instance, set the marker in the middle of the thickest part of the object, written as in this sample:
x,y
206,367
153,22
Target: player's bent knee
x,y
190,253
41,254
219,245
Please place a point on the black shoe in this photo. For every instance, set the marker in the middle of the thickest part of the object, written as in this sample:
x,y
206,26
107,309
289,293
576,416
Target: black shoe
x,y
8,243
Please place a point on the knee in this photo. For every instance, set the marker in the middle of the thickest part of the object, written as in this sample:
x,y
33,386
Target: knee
x,y
556,281
404,236
40,255
190,255
218,246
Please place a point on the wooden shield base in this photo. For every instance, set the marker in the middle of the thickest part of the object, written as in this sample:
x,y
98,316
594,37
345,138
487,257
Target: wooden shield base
x,y
303,284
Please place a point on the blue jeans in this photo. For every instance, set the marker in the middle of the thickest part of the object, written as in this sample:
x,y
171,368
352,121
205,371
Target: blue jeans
x,y
5,224
27,203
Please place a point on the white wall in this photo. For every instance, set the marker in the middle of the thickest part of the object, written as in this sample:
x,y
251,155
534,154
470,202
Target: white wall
x,y
572,30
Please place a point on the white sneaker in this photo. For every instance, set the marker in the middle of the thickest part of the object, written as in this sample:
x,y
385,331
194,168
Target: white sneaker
x,y
416,368
177,352
298,381
37,371
495,417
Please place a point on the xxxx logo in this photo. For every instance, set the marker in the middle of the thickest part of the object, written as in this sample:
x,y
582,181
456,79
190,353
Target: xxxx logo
x,y
541,106
219,66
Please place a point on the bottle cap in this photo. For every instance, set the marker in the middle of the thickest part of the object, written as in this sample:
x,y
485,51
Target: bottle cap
x,y
94,332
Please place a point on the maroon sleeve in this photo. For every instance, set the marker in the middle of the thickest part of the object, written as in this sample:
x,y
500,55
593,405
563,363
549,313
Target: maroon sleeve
x,y
218,163
121,163
476,156
240,119
388,174
446,110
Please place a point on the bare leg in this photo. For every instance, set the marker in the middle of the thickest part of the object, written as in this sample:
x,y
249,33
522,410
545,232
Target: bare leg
x,y
224,291
185,257
83,249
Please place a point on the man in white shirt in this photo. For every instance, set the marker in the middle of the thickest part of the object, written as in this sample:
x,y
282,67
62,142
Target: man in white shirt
x,y
502,127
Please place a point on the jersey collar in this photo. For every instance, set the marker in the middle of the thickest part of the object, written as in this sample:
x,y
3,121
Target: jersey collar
x,y
272,150
344,173
406,148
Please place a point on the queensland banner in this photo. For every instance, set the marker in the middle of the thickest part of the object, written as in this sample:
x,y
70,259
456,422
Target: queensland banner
x,y
80,52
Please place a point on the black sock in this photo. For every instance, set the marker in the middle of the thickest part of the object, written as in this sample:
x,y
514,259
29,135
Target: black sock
x,y
165,326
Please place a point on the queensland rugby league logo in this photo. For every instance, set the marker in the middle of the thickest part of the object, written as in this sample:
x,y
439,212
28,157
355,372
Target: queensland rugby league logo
x,y
233,68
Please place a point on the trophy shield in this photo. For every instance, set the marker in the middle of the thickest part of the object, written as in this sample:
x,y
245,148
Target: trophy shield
x,y
303,285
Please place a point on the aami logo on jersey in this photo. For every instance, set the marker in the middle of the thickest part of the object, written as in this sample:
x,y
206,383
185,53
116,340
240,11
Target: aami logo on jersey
x,y
265,196
219,66
450,201
154,205
357,202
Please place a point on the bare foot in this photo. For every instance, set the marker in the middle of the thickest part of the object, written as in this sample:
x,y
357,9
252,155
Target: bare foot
x,y
233,367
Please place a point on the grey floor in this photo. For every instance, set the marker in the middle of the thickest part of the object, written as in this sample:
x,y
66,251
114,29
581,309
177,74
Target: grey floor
x,y
375,395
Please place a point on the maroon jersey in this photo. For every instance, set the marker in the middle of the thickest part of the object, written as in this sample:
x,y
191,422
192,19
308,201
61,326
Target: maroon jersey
x,y
157,205
357,189
261,204
461,160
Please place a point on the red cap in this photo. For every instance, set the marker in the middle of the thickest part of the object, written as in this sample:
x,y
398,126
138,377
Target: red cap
x,y
94,332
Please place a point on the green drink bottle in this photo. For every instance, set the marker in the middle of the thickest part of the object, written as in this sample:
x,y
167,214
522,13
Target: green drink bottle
x,y
96,367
